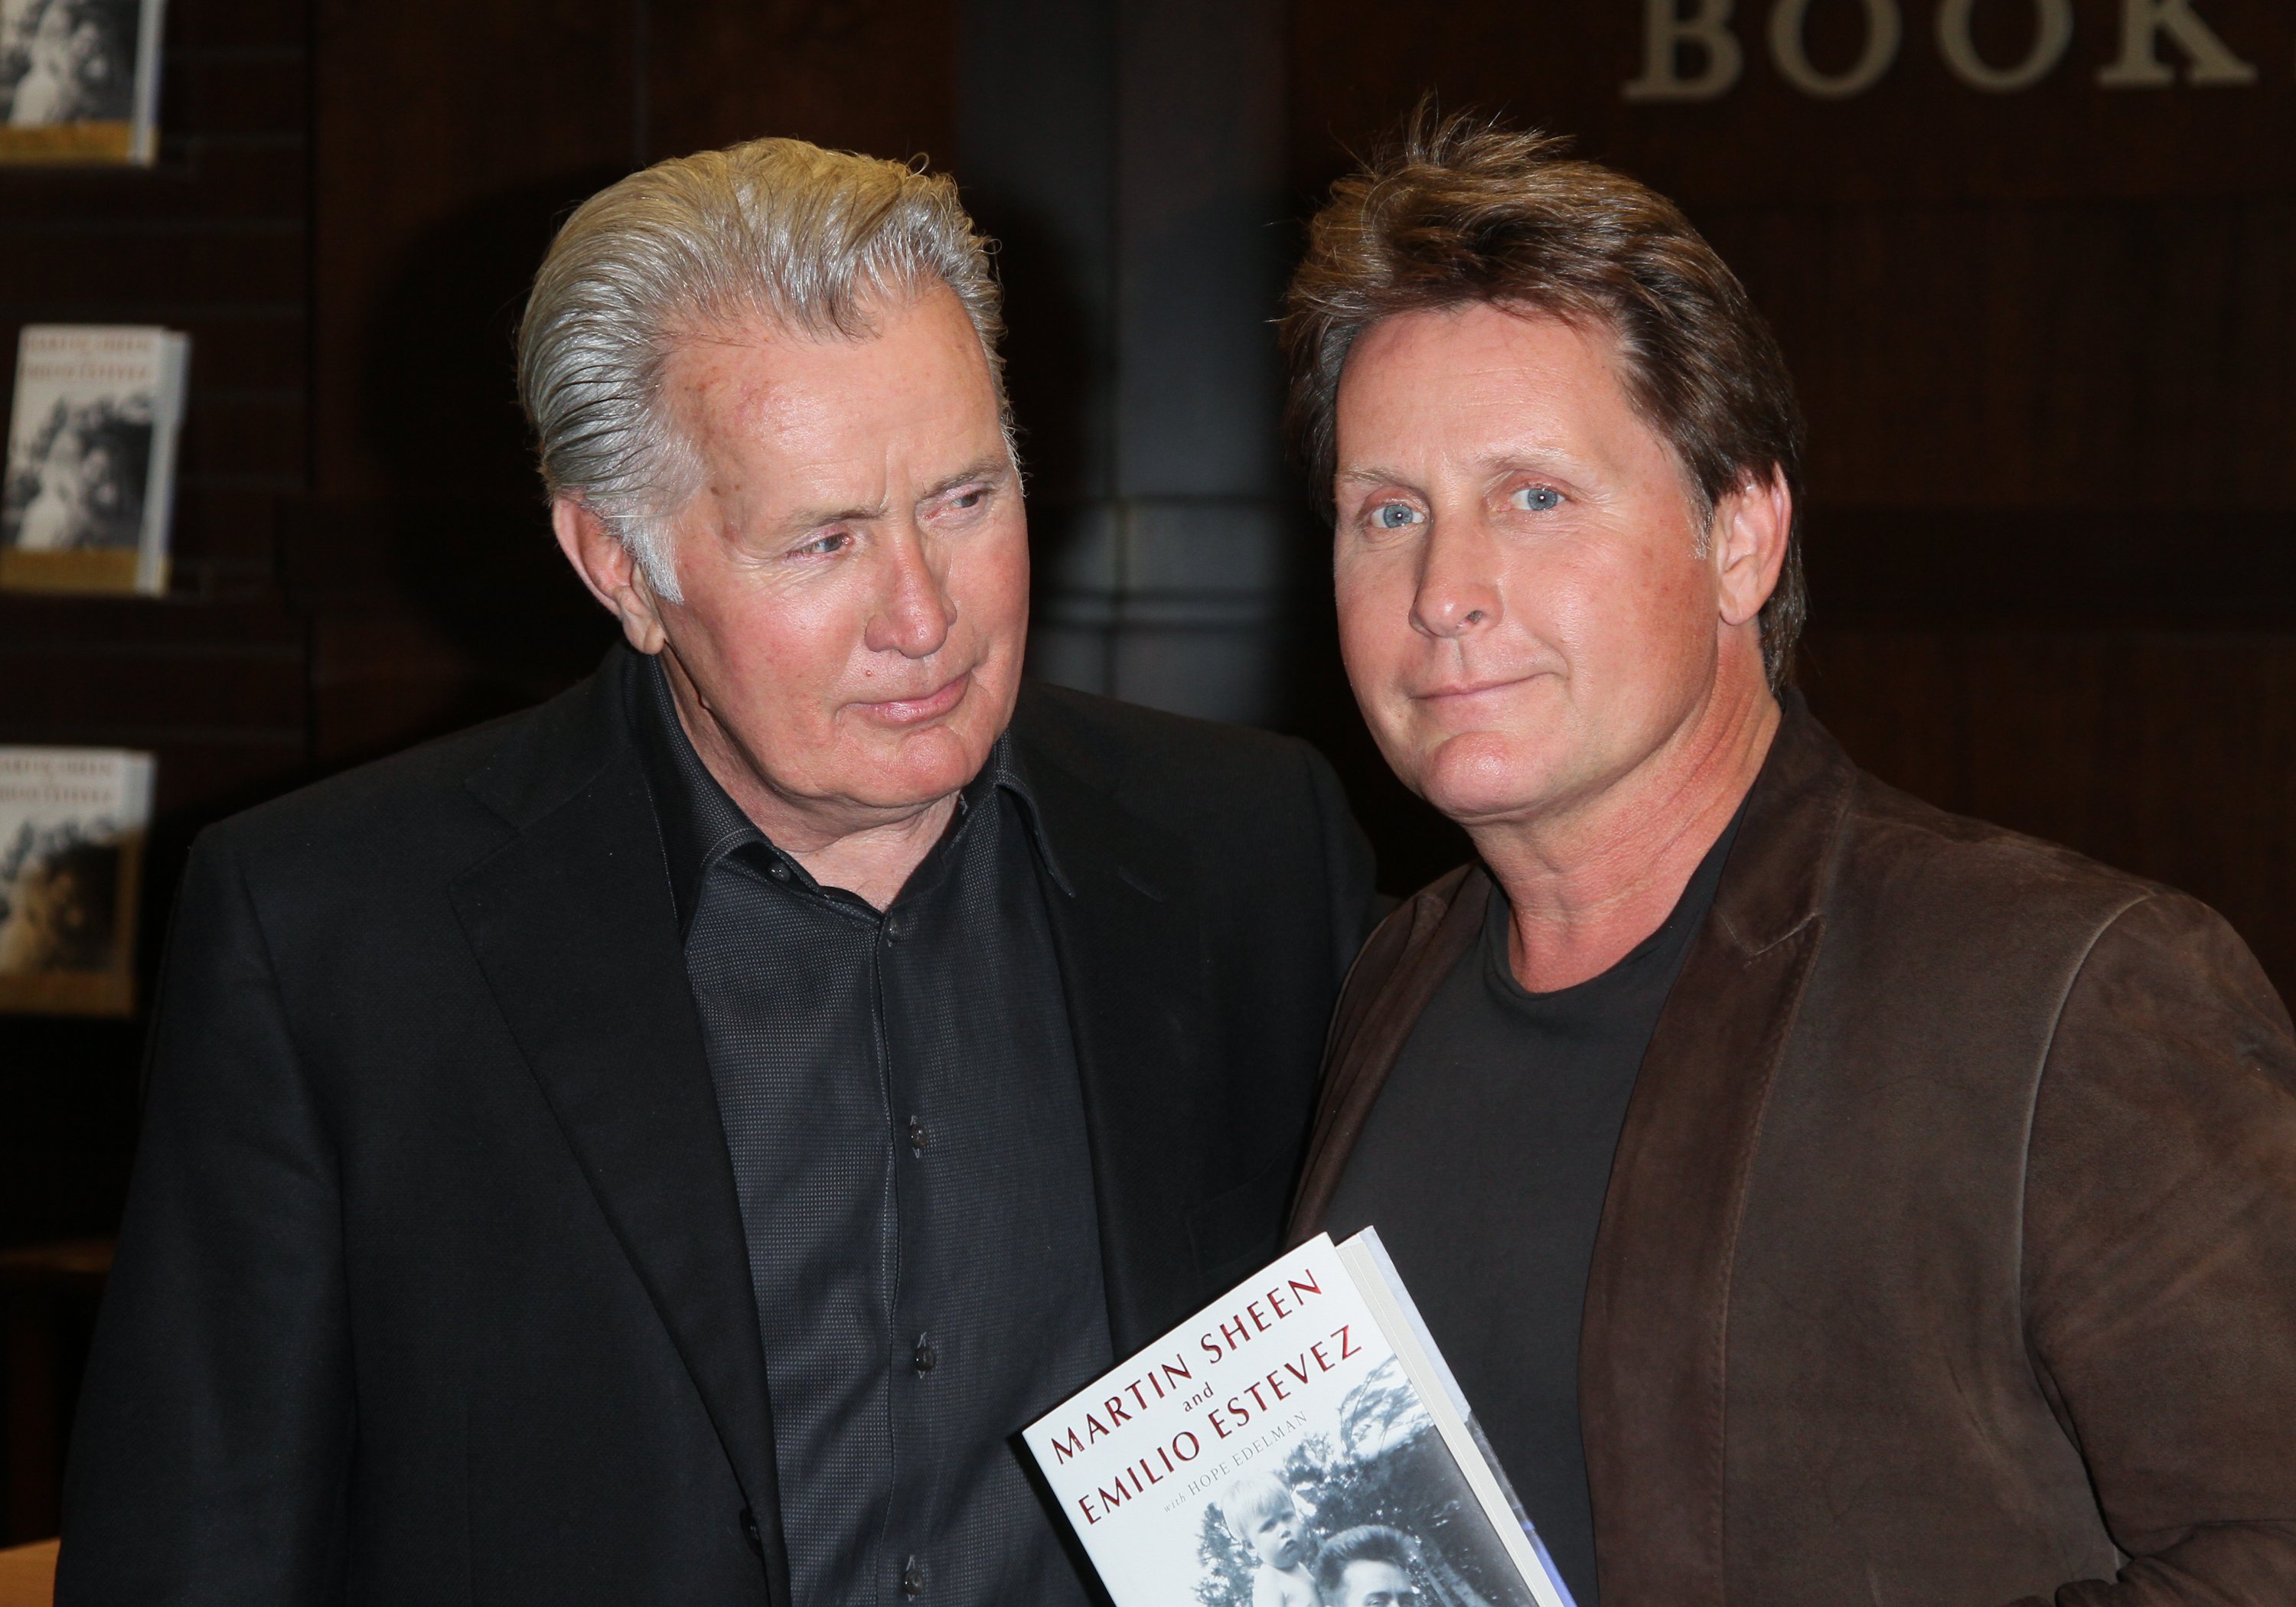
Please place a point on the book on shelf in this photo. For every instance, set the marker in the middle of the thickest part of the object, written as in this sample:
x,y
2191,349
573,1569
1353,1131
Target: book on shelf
x,y
79,81
91,467
1299,1443
72,825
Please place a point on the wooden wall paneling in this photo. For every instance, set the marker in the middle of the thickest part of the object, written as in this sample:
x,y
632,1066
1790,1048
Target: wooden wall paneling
x,y
2169,753
440,175
1917,135
213,240
2051,355
216,692
1893,695
853,75
450,137
116,675
2173,755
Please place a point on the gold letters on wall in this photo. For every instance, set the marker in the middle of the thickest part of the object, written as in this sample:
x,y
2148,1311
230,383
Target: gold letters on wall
x,y
1692,50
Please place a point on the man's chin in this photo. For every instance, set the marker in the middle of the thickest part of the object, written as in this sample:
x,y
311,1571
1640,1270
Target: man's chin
x,y
919,768
1485,776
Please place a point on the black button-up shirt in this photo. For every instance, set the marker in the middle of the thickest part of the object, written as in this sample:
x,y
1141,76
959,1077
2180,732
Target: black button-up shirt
x,y
900,1097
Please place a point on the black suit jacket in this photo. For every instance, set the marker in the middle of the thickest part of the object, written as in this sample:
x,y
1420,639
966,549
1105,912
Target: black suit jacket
x,y
431,1287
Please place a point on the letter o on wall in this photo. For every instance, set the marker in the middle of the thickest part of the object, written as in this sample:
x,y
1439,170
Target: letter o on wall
x,y
1883,30
2052,31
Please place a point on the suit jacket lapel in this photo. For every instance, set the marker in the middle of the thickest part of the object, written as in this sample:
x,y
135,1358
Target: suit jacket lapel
x,y
1652,1347
573,923
1127,935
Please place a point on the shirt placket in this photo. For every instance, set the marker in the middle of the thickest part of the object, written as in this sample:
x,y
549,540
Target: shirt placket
x,y
912,1357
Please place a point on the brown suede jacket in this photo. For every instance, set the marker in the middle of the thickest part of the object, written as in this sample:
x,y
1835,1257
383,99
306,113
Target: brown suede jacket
x,y
1949,1254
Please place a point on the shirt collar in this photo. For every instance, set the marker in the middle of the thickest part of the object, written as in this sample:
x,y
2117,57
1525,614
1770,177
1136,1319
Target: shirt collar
x,y
701,823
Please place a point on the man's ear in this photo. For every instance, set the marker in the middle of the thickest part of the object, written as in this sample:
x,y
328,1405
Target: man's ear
x,y
607,568
1748,541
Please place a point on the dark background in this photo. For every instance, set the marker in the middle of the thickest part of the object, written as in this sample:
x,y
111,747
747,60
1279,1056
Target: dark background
x,y
2044,339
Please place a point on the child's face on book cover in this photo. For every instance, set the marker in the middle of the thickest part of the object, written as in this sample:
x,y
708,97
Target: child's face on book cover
x,y
1277,1538
1373,1584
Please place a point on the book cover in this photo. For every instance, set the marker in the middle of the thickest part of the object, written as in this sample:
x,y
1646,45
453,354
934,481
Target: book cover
x,y
79,81
72,824
1296,1444
91,465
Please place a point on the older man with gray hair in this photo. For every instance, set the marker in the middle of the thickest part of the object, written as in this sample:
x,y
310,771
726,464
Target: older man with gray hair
x,y
661,1147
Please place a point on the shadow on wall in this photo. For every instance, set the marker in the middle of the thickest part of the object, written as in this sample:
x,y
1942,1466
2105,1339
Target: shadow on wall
x,y
445,596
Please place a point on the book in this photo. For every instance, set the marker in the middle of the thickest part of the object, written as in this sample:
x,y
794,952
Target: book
x,y
1299,1442
79,81
91,465
72,825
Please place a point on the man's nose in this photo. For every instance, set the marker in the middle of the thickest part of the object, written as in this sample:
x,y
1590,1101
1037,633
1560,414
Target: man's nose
x,y
914,609
1458,590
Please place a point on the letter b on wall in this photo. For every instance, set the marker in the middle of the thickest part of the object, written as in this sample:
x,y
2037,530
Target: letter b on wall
x,y
1704,36
1693,54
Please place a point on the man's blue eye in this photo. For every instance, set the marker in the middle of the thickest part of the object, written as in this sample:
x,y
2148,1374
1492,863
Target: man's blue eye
x,y
1394,516
1539,499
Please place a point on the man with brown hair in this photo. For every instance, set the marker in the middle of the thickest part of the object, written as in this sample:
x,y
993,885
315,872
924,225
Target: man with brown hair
x,y
1822,1198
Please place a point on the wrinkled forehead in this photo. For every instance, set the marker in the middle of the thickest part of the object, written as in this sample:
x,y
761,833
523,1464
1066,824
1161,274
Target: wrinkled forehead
x,y
917,377
1486,386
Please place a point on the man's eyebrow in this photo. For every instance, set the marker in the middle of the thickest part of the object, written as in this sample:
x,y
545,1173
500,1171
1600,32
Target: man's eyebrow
x,y
1372,475
1533,459
806,519
988,468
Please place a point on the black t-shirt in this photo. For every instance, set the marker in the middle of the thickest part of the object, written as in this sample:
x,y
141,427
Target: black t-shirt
x,y
1484,1165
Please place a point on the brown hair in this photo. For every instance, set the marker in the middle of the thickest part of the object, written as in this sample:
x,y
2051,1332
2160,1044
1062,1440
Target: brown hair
x,y
1459,211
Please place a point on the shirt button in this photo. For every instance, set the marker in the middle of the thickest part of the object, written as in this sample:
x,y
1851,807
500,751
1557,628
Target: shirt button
x,y
924,1358
896,927
918,1136
912,1580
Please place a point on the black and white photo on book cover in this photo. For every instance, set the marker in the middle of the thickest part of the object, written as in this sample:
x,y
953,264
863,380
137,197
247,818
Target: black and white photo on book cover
x,y
79,81
1296,1445
72,824
90,473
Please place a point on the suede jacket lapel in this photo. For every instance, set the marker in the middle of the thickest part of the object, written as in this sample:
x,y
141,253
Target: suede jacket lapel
x,y
1387,991
573,923
1127,931
1652,1350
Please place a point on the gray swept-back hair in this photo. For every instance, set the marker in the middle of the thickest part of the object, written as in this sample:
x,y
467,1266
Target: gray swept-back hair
x,y
776,231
